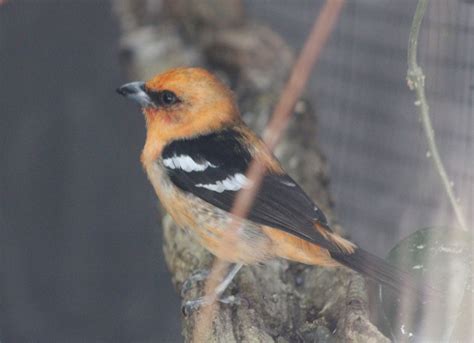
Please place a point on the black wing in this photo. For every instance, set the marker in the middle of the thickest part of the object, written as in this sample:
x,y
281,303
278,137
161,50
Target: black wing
x,y
280,203
213,167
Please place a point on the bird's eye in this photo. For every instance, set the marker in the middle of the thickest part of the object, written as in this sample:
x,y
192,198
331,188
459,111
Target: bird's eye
x,y
164,98
167,98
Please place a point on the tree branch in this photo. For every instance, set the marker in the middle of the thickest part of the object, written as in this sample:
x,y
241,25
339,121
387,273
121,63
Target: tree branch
x,y
416,82
283,301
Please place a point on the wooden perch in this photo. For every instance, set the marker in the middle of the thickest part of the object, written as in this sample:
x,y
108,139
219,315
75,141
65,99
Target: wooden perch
x,y
281,301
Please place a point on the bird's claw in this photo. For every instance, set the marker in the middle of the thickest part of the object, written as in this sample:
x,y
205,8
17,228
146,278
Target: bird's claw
x,y
197,276
191,306
231,300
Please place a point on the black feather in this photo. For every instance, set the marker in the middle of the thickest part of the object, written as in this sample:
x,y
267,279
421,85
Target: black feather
x,y
379,270
280,202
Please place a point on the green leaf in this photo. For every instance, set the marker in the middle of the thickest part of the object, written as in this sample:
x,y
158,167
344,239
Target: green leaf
x,y
440,258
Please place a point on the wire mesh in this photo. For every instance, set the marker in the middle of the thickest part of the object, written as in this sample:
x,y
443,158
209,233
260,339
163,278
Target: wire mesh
x,y
381,177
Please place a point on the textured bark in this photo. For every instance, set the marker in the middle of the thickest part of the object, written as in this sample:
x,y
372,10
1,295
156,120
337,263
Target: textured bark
x,y
282,301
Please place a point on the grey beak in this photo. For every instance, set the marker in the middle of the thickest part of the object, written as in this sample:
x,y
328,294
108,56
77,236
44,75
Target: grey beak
x,y
136,91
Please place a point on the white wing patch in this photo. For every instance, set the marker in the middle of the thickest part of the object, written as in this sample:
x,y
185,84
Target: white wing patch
x,y
231,183
288,183
186,163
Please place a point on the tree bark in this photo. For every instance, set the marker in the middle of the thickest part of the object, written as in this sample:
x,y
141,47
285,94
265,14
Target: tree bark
x,y
282,301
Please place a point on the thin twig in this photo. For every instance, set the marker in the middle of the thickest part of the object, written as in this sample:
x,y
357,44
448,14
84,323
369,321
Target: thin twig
x,y
416,82
283,111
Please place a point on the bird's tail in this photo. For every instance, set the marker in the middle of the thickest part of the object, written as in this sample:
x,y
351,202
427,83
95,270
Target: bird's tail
x,y
376,268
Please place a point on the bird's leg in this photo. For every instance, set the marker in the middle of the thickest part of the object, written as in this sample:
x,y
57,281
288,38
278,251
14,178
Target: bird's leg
x,y
192,305
197,276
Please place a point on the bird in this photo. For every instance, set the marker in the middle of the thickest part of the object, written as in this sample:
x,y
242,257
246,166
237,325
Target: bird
x,y
196,155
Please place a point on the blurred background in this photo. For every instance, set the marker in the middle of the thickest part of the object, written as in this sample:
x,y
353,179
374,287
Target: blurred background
x,y
80,242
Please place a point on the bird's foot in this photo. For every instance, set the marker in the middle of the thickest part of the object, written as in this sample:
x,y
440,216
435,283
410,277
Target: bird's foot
x,y
191,306
189,283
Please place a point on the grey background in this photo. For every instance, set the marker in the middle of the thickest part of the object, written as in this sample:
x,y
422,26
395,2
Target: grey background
x,y
79,238
80,243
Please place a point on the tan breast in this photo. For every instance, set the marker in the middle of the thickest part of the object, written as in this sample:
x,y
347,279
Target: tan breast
x,y
210,225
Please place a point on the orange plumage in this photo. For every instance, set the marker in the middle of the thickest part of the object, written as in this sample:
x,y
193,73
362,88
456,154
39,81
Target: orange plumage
x,y
196,154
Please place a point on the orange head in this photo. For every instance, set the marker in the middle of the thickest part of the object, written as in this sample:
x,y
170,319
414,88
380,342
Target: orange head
x,y
182,103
